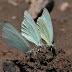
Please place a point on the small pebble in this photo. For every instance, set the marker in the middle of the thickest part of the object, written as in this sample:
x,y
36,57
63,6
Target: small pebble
x,y
57,41
64,6
66,38
13,17
4,52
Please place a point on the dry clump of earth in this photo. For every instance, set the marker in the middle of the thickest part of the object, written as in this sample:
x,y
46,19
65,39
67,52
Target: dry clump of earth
x,y
43,61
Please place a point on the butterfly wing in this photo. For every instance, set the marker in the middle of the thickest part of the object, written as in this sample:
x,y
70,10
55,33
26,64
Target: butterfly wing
x,y
13,37
29,29
45,28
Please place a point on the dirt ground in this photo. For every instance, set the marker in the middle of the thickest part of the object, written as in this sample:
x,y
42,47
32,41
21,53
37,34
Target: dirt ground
x,y
62,35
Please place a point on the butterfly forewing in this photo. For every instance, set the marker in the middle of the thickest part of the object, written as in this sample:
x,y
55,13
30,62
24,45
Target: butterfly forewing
x,y
13,37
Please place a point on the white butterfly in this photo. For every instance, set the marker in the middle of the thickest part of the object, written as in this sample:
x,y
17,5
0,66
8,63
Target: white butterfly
x,y
45,27
13,38
30,31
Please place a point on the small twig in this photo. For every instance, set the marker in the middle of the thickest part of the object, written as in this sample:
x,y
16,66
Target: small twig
x,y
13,2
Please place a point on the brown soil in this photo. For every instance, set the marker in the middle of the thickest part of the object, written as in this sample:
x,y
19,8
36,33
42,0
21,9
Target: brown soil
x,y
46,61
